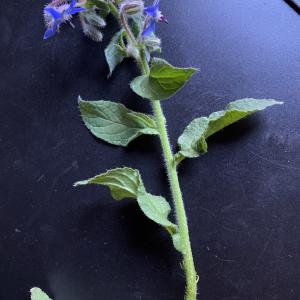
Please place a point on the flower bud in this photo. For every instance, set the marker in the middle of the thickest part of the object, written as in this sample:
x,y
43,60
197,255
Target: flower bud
x,y
152,43
132,7
132,51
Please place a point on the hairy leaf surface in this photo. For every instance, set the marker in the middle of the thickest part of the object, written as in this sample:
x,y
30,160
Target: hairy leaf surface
x,y
114,123
192,142
157,209
113,52
102,7
122,182
177,243
163,81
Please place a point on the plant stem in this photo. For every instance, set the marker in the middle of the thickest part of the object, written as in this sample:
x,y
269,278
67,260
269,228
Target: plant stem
x,y
188,261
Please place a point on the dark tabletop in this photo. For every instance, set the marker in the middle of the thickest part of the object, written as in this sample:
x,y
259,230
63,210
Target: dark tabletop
x,y
242,198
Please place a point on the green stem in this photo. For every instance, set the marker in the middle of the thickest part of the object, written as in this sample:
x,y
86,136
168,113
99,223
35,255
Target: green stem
x,y
188,261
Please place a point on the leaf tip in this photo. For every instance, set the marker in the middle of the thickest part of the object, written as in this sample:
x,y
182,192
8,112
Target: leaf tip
x,y
79,99
279,102
78,183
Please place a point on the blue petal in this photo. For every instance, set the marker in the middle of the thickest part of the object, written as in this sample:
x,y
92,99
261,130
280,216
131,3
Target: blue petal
x,y
76,10
54,13
72,4
51,31
151,11
150,29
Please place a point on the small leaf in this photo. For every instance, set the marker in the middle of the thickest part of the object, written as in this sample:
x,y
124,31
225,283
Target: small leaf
x,y
192,142
122,182
113,54
101,5
178,245
114,123
137,25
157,209
163,81
38,294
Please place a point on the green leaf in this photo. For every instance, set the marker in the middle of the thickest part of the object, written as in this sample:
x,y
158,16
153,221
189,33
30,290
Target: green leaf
x,y
101,5
178,245
236,111
192,142
127,183
113,52
163,81
38,294
122,182
137,25
114,123
157,209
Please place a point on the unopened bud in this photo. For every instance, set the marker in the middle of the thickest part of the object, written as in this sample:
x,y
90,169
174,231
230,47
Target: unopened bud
x,y
132,51
132,7
152,41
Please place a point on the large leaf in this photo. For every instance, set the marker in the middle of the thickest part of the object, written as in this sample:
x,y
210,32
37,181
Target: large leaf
x,y
122,182
192,142
163,81
127,183
114,123
38,294
114,52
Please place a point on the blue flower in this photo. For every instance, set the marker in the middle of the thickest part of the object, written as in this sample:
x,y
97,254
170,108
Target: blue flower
x,y
56,15
154,15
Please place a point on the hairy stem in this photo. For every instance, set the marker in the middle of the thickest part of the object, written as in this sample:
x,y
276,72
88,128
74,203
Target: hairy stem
x,y
188,261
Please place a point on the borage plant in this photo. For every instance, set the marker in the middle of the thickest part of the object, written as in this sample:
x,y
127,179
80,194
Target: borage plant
x,y
118,125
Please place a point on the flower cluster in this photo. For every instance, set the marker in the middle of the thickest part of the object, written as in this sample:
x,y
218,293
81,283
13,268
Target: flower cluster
x,y
91,16
58,12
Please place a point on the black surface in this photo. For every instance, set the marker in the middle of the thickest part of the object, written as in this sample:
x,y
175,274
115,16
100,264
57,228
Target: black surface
x,y
242,198
294,5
